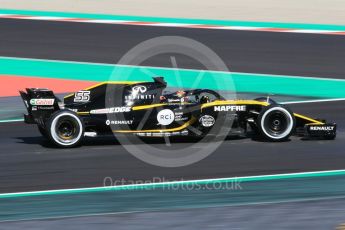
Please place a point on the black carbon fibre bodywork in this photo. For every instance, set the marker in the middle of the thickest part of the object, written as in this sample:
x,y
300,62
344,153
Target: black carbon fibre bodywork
x,y
145,110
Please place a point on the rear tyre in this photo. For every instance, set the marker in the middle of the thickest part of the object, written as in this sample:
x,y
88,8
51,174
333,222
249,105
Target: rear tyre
x,y
276,123
43,131
65,129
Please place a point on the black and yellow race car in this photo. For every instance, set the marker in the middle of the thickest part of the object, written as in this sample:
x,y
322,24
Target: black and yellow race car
x,y
146,110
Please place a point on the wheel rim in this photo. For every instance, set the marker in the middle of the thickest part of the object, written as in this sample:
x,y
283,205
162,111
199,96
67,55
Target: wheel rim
x,y
277,123
66,129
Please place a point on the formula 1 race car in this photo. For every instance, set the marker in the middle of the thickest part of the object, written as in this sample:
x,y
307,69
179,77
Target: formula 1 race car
x,y
145,110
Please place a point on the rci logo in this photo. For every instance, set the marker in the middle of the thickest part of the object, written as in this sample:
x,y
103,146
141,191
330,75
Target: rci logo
x,y
165,117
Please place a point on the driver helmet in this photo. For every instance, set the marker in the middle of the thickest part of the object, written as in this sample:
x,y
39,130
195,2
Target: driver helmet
x,y
205,99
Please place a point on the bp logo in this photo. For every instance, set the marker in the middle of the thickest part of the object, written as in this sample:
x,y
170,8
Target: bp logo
x,y
207,121
165,117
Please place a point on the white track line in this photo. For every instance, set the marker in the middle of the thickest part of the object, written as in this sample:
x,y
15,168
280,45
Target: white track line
x,y
313,101
136,186
166,24
11,120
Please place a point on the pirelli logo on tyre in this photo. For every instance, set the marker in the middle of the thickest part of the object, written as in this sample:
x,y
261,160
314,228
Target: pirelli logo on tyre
x,y
231,108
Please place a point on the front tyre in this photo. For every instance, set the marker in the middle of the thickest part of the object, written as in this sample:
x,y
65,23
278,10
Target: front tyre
x,y
276,123
65,129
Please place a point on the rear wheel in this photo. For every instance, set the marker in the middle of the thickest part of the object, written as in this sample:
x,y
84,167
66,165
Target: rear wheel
x,y
43,131
276,123
65,129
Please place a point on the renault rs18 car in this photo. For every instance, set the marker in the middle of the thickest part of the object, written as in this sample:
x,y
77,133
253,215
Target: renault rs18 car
x,y
146,110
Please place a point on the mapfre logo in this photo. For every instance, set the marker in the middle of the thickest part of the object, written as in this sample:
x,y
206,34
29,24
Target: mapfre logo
x,y
226,108
165,117
139,89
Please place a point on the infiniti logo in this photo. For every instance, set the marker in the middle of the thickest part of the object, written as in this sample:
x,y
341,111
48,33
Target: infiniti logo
x,y
139,89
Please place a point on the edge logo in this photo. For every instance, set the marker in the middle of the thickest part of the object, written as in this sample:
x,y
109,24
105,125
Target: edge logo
x,y
237,108
123,109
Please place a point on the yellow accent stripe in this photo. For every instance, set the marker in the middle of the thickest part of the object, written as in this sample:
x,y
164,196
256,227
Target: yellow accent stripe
x,y
106,82
308,119
83,113
140,107
235,102
229,102
185,125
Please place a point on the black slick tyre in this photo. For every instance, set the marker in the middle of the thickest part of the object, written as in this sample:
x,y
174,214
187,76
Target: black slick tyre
x,y
276,123
65,129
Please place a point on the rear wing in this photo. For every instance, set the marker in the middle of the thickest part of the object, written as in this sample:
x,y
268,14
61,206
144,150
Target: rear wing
x,y
40,104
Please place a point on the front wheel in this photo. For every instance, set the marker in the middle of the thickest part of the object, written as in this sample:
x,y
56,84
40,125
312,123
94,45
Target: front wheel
x,y
276,123
65,129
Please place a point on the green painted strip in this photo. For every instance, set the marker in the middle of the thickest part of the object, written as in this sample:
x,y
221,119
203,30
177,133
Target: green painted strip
x,y
55,69
176,183
176,20
11,120
239,82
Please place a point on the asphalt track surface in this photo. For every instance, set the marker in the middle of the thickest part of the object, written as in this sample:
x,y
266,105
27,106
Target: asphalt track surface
x,y
317,215
242,51
29,163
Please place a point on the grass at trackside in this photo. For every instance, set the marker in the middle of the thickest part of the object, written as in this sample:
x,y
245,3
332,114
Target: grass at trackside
x,y
176,20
